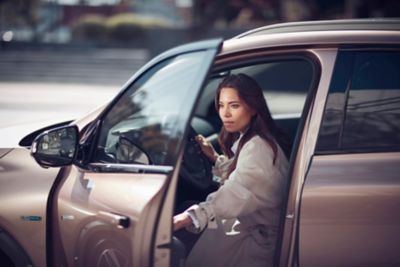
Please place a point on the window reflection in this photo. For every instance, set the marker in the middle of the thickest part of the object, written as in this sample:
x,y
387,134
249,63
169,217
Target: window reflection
x,y
373,119
364,108
373,105
145,124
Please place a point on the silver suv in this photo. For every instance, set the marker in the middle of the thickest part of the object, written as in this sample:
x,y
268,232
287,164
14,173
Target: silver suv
x,y
113,180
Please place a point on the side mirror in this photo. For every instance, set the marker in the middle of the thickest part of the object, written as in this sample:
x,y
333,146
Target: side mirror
x,y
56,147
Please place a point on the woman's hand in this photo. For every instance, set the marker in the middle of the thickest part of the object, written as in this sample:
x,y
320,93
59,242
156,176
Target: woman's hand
x,y
182,220
207,148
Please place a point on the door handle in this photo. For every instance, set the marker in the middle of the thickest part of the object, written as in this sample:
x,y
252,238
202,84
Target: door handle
x,y
120,221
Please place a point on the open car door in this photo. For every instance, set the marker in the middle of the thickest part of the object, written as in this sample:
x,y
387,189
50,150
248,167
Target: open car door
x,y
109,209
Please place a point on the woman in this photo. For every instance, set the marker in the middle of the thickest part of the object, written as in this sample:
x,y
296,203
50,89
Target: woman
x,y
240,220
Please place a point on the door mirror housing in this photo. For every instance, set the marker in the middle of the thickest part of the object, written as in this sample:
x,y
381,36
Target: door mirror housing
x,y
56,147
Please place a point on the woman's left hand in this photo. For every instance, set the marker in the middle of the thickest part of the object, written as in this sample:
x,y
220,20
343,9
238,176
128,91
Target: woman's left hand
x,y
182,220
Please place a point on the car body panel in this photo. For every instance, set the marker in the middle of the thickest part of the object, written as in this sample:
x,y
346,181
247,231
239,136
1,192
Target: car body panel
x,y
24,189
4,151
317,38
88,210
358,200
386,24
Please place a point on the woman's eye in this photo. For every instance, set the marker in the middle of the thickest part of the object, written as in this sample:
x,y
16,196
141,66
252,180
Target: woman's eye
x,y
235,106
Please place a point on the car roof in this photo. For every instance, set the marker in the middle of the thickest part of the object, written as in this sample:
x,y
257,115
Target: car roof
x,y
382,24
316,33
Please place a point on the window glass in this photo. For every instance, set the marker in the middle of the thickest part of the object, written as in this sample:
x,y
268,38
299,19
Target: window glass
x,y
331,125
147,122
362,112
373,103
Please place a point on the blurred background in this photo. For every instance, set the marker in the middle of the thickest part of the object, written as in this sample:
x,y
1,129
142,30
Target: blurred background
x,y
61,58
156,25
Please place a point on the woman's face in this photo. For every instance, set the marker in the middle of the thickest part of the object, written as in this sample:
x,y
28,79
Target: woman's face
x,y
234,113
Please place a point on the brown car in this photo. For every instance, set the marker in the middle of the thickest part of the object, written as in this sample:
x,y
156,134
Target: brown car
x,y
119,174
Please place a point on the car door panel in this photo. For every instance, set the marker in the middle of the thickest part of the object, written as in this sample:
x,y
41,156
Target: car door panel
x,y
352,189
108,210
349,213
88,204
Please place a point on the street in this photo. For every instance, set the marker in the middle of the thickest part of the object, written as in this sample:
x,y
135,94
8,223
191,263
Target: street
x,y
40,88
35,102
25,107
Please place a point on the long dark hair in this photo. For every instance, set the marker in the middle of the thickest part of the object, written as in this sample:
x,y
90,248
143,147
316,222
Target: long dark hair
x,y
261,123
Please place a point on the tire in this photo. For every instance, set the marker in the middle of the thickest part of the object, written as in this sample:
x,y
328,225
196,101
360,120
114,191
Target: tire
x,y
5,261
11,253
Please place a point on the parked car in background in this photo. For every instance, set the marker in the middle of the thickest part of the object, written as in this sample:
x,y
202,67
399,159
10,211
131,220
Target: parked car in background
x,y
114,179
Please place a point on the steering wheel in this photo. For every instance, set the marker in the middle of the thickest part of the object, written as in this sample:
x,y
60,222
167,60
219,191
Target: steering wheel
x,y
196,167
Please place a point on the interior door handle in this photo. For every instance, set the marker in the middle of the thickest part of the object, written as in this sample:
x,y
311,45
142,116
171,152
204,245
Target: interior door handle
x,y
120,221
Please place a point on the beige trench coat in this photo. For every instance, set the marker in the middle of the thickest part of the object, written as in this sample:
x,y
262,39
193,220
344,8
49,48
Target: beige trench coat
x,y
240,220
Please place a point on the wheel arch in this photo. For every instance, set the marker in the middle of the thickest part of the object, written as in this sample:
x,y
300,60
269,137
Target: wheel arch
x,y
11,252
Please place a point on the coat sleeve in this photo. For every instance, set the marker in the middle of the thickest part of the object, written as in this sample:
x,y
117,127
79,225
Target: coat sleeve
x,y
256,183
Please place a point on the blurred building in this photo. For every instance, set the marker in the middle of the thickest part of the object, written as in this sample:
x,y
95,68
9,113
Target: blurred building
x,y
130,22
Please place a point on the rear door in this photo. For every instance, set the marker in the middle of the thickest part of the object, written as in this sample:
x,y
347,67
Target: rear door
x,y
108,209
349,206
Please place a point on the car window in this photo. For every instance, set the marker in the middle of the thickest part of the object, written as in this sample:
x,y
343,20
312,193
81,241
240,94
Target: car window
x,y
285,81
143,126
363,109
285,84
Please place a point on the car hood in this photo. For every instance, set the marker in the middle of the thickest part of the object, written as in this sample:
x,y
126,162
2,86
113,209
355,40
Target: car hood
x,y
4,151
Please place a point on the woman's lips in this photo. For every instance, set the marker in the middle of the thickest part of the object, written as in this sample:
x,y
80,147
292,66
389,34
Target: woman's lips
x,y
228,123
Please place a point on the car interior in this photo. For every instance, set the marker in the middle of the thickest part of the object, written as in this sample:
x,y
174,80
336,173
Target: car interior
x,y
285,82
285,97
